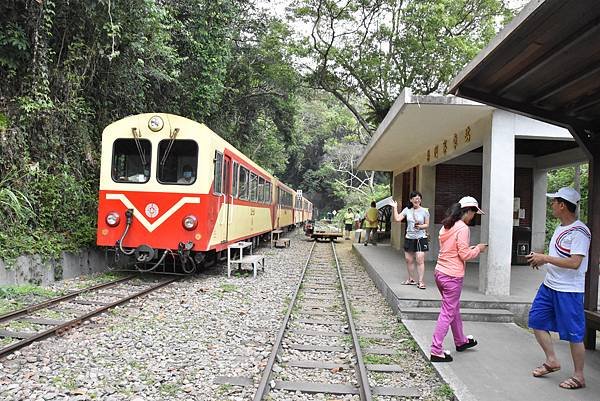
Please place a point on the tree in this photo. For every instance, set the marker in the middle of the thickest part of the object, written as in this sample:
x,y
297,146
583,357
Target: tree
x,y
366,52
258,107
70,68
572,176
330,146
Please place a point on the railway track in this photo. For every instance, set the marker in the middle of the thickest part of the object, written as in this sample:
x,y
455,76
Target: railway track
x,y
58,315
319,333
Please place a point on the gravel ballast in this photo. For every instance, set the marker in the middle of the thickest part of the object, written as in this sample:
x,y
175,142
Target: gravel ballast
x,y
178,342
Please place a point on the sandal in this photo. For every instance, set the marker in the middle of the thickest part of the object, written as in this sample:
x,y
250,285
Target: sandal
x,y
572,383
409,282
421,285
544,370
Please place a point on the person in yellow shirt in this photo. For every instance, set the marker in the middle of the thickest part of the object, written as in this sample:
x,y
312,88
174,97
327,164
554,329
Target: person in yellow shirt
x,y
348,221
371,223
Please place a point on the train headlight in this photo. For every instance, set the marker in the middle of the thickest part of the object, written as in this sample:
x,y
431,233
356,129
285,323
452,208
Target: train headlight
x,y
156,123
113,219
190,222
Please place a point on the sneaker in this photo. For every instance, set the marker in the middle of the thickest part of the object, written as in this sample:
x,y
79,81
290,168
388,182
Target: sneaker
x,y
471,342
366,244
446,358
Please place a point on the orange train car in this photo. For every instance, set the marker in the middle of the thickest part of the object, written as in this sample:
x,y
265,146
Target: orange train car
x,y
172,192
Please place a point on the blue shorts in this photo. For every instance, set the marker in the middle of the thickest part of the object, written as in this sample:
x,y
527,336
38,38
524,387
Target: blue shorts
x,y
561,312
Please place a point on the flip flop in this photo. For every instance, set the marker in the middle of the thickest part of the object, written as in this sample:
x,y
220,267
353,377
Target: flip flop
x,y
421,286
544,370
572,383
409,282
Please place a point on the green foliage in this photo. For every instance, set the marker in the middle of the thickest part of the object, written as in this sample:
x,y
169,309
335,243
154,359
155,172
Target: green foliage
x,y
366,52
331,141
21,290
15,297
445,391
56,215
225,287
68,69
258,107
566,177
378,359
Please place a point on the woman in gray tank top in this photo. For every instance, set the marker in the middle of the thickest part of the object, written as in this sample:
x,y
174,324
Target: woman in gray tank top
x,y
415,242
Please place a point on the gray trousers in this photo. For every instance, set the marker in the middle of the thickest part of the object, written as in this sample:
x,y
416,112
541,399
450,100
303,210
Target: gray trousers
x,y
370,234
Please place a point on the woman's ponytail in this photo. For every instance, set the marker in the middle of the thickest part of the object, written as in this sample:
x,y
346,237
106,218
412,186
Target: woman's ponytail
x,y
453,214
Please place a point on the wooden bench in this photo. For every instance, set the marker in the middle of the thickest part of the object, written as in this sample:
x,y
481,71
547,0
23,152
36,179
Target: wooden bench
x,y
592,322
255,260
282,243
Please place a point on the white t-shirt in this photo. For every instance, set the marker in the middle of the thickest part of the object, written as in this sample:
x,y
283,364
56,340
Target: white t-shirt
x,y
415,216
573,239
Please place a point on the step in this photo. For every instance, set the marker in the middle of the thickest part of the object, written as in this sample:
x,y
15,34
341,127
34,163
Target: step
x,y
467,314
436,303
282,243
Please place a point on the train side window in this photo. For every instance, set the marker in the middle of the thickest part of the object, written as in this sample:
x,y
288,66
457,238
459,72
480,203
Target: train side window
x,y
235,180
253,187
267,192
131,160
218,173
261,189
177,161
243,190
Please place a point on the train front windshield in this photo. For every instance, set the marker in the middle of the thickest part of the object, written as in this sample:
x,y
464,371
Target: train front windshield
x,y
131,160
177,161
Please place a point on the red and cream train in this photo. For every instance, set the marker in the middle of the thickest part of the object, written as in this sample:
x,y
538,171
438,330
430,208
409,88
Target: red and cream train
x,y
173,191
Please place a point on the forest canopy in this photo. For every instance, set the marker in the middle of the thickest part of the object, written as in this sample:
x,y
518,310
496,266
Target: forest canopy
x,y
299,93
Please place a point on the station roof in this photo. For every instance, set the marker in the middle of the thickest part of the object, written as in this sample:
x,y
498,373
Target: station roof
x,y
544,64
415,123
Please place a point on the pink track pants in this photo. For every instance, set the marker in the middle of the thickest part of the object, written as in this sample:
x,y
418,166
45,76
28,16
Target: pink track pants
x,y
450,289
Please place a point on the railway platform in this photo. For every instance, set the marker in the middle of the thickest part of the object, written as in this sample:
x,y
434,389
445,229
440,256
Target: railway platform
x,y
499,368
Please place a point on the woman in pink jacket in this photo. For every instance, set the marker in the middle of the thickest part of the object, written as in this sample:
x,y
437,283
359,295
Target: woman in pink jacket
x,y
449,274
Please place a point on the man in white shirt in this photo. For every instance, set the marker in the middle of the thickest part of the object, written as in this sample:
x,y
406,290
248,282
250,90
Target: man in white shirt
x,y
558,305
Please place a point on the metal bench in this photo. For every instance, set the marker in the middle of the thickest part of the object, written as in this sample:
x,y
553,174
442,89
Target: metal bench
x,y
275,236
255,260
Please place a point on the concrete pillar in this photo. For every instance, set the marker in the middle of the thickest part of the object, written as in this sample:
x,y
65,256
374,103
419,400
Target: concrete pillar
x,y
396,234
538,214
426,185
498,193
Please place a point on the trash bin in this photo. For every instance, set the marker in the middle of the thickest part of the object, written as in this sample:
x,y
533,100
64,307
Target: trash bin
x,y
521,245
358,235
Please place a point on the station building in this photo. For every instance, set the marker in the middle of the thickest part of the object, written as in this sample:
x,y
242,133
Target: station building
x,y
447,147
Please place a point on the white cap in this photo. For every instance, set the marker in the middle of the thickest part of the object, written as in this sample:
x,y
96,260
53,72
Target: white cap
x,y
566,193
469,201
